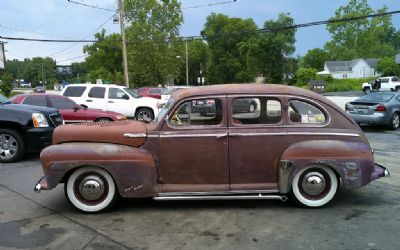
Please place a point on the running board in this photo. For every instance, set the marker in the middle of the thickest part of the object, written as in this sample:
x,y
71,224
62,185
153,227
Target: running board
x,y
223,197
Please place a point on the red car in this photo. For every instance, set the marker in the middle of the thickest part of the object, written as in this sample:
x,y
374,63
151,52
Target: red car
x,y
151,92
70,111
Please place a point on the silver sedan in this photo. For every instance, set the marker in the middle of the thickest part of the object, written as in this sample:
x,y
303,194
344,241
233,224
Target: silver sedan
x,y
381,108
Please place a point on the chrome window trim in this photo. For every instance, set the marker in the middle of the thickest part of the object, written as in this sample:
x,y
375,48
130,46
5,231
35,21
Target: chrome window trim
x,y
307,125
191,135
176,135
188,127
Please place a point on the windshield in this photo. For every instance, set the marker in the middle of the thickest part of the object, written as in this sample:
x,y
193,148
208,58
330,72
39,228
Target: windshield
x,y
3,99
377,97
165,109
132,93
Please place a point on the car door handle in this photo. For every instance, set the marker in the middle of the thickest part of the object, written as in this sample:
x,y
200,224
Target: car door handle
x,y
221,136
89,101
110,102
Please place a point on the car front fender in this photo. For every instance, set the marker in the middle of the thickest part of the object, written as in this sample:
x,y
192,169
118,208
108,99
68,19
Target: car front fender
x,y
133,169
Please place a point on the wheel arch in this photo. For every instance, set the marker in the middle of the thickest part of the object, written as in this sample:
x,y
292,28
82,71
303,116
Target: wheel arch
x,y
132,169
144,107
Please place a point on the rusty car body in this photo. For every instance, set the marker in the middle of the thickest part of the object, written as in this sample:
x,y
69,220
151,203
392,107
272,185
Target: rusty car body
x,y
295,143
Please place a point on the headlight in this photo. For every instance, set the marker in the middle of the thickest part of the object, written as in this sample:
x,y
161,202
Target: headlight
x,y
39,120
121,117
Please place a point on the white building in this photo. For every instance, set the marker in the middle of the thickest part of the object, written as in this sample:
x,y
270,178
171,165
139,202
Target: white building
x,y
358,68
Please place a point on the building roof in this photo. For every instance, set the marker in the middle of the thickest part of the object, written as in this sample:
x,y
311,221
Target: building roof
x,y
343,66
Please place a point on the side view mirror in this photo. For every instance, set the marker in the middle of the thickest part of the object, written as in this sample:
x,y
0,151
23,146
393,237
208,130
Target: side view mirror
x,y
84,106
125,96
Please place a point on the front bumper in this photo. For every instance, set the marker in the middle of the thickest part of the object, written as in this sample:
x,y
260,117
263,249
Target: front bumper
x,y
379,171
41,185
38,138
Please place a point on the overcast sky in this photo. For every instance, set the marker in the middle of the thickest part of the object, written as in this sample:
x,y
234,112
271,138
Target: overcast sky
x,y
60,19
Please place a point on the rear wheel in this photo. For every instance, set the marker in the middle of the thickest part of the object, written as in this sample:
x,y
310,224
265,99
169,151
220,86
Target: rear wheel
x,y
90,189
314,186
12,146
395,121
144,113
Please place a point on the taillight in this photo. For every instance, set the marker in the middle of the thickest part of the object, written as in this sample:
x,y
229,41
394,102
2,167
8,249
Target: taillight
x,y
380,108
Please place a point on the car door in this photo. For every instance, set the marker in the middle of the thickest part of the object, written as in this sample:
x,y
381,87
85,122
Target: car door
x,y
67,109
119,101
96,98
257,139
194,148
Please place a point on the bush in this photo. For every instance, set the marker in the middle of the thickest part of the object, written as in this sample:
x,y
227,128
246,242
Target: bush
x,y
304,75
338,85
6,84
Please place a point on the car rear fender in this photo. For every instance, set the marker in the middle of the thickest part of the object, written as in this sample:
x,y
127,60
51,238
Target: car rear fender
x,y
133,169
352,161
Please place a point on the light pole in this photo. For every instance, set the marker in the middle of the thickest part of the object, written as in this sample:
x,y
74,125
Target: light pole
x,y
124,53
187,65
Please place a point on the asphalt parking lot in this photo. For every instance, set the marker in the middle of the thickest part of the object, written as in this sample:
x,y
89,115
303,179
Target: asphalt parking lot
x,y
365,218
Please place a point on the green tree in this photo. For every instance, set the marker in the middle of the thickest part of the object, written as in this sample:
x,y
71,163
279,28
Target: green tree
x,y
230,54
365,38
304,75
275,47
388,67
39,69
6,84
153,25
104,58
315,59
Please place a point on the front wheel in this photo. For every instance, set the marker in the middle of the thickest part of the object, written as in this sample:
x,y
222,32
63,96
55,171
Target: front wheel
x,y
90,189
12,146
366,90
394,121
314,186
397,89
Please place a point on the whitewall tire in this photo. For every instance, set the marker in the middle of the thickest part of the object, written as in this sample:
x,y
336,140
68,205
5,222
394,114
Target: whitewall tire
x,y
314,186
90,189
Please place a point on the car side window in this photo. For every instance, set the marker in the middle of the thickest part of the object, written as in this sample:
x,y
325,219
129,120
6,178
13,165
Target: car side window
x,y
36,101
97,92
395,79
256,110
198,112
115,93
303,112
61,103
74,91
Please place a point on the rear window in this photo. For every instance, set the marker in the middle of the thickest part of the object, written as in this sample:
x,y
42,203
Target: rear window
x,y
376,97
97,92
74,91
36,101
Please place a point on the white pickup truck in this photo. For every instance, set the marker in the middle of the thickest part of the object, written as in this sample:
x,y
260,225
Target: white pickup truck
x,y
388,83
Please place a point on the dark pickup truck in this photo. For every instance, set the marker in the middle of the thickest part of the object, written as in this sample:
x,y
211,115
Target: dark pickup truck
x,y
25,128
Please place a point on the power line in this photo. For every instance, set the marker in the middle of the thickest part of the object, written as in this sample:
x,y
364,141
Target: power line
x,y
91,6
76,57
167,40
209,5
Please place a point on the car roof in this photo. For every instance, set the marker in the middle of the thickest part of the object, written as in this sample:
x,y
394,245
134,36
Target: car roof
x,y
250,88
94,85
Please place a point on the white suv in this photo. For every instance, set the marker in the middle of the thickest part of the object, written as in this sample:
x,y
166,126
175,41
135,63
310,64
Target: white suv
x,y
113,98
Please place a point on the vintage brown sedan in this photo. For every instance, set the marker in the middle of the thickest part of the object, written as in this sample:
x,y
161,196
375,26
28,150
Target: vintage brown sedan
x,y
295,143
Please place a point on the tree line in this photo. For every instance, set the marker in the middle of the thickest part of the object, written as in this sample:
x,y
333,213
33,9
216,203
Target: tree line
x,y
230,50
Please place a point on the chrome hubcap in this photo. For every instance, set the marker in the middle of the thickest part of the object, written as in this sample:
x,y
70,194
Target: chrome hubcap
x,y
313,183
144,114
91,187
396,121
8,146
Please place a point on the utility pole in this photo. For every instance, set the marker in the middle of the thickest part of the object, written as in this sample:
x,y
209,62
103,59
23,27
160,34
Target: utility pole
x,y
187,65
42,75
124,53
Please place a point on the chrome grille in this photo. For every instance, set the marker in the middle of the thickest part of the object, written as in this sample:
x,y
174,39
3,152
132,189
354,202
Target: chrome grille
x,y
56,119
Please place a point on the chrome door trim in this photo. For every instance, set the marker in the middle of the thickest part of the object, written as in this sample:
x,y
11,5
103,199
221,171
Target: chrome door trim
x,y
219,135
322,133
224,197
257,134
137,135
232,192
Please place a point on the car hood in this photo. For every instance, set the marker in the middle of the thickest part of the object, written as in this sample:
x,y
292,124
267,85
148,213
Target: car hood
x,y
131,133
27,108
